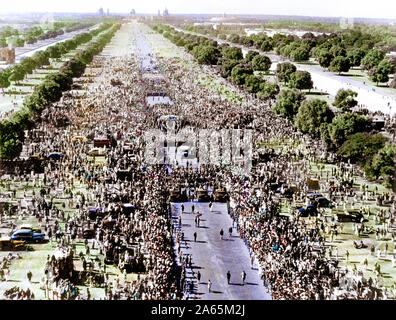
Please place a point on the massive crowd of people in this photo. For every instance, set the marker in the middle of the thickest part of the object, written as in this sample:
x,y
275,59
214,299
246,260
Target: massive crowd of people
x,y
126,203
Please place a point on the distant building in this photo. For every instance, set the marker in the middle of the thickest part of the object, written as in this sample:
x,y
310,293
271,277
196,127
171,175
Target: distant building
x,y
159,13
133,12
166,13
108,11
101,13
7,55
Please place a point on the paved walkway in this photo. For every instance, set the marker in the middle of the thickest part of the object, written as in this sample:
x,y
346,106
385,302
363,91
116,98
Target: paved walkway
x,y
213,257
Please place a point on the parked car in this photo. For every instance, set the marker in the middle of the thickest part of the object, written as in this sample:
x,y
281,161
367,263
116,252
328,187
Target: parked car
x,y
202,195
221,195
101,142
55,155
350,216
323,202
27,236
10,245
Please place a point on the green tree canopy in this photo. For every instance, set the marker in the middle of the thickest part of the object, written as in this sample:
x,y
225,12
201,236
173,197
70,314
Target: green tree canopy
x,y
339,64
345,99
312,114
372,59
239,73
250,55
284,71
232,53
360,147
261,63
288,103
252,83
346,124
301,80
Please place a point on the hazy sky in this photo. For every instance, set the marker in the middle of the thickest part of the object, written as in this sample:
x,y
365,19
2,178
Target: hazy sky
x,y
328,8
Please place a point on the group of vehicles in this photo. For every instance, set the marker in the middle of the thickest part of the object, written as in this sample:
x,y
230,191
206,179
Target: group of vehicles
x,y
25,234
180,195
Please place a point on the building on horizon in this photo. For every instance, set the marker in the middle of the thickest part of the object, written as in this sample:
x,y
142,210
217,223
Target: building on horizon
x,y
165,13
101,13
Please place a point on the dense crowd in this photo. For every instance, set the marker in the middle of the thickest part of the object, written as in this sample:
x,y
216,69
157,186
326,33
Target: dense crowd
x,y
126,200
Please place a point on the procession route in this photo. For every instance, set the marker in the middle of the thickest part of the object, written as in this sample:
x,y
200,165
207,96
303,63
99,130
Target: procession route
x,y
213,257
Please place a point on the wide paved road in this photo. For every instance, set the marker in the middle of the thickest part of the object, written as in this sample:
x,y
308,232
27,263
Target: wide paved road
x,y
213,257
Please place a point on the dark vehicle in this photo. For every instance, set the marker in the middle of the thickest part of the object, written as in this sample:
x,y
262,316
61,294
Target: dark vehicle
x,y
221,196
124,175
350,216
313,196
175,196
10,245
310,210
202,195
101,142
27,236
128,208
323,202
286,190
55,156
302,212
94,213
88,233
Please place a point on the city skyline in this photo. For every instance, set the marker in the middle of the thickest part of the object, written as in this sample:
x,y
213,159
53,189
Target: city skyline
x,y
338,8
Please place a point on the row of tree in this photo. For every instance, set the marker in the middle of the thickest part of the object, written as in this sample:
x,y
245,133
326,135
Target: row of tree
x,y
12,36
242,71
49,91
19,71
336,51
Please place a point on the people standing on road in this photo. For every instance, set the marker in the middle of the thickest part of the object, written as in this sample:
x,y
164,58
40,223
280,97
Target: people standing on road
x,y
209,285
230,231
182,208
243,277
221,234
228,276
210,206
251,261
199,276
179,220
195,237
192,208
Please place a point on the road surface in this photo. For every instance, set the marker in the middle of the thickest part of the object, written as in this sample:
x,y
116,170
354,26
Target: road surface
x,y
213,257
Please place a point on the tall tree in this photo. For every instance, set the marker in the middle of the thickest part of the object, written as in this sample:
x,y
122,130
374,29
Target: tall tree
x,y
312,114
339,64
284,71
345,99
261,63
288,103
372,59
301,80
